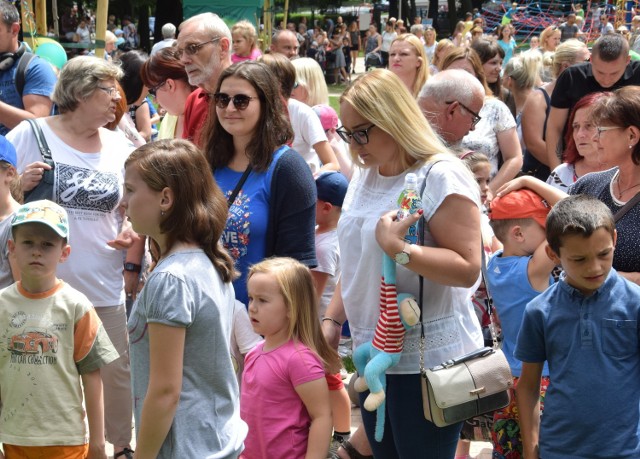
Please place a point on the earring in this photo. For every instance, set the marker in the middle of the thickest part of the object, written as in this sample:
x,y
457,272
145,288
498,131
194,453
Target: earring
x,y
630,147
162,212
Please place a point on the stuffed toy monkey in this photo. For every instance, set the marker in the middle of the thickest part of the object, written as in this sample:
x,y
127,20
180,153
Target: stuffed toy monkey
x,y
398,313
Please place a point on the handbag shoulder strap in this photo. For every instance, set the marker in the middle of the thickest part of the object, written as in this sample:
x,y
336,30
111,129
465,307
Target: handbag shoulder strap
x,y
627,207
238,187
42,141
421,224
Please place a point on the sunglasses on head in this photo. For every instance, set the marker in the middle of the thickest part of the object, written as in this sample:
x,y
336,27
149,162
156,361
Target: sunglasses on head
x,y
240,101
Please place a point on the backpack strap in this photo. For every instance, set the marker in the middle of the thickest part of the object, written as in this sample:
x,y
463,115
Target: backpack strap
x,y
23,64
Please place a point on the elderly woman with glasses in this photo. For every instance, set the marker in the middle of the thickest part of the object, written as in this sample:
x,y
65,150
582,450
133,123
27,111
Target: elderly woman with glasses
x,y
269,187
449,260
89,175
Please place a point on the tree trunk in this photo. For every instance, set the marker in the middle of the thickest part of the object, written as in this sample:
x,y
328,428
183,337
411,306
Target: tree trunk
x,y
433,14
467,6
166,11
453,16
393,12
143,27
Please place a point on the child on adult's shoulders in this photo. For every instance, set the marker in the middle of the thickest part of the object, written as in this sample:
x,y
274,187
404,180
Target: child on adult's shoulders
x,y
586,328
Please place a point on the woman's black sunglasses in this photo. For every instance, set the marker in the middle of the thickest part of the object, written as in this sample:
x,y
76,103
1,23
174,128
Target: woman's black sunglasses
x,y
240,101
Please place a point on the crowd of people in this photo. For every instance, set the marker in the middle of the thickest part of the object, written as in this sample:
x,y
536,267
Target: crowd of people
x,y
193,280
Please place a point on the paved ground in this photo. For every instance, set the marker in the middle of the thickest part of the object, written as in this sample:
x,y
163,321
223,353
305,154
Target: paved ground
x,y
479,450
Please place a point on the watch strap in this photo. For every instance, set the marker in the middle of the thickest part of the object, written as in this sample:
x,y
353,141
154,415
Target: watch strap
x,y
132,267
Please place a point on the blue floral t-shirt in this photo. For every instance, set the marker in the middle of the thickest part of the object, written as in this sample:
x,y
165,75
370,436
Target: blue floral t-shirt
x,y
244,236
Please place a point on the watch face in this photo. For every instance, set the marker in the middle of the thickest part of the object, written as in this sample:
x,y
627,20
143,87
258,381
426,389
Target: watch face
x,y
402,258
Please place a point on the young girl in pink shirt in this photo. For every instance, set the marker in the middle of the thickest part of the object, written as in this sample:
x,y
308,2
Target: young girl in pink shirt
x,y
284,397
244,42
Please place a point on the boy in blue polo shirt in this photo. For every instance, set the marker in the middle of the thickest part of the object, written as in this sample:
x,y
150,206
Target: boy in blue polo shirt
x,y
586,328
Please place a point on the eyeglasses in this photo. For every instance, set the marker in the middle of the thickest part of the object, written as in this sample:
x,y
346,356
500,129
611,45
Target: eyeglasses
x,y
240,101
153,90
476,118
112,91
361,136
193,48
601,129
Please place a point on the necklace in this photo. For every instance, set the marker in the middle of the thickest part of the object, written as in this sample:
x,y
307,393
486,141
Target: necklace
x,y
620,192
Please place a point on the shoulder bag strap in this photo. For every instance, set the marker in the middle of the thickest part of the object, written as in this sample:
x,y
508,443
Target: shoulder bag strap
x,y
239,185
489,299
421,224
42,141
627,207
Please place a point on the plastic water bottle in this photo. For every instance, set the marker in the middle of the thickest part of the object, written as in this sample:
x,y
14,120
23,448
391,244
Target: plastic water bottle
x,y
410,202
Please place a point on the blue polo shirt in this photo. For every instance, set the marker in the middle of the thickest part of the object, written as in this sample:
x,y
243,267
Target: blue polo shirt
x,y
592,405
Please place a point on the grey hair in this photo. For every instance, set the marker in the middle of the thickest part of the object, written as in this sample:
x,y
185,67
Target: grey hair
x,y
168,30
9,13
452,84
209,22
415,27
79,78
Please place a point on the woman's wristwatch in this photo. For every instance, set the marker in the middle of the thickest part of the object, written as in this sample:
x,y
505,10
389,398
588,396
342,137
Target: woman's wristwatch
x,y
403,257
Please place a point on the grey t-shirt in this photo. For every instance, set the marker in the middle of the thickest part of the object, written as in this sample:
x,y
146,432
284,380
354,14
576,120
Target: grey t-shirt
x,y
184,290
6,277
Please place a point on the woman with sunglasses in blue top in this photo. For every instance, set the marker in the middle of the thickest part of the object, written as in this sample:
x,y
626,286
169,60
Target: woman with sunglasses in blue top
x,y
269,186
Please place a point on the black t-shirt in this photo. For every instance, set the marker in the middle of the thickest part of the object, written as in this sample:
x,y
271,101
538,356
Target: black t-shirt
x,y
577,81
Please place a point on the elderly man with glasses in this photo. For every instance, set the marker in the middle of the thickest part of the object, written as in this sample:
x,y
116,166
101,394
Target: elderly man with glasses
x,y
204,47
451,101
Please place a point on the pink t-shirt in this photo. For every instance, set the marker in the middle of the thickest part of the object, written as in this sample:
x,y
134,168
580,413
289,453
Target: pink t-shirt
x,y
255,54
278,420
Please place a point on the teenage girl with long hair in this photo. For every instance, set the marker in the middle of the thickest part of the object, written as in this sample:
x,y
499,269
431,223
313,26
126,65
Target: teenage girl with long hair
x,y
184,385
285,398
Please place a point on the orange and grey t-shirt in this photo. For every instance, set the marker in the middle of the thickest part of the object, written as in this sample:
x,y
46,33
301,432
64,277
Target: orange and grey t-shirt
x,y
49,340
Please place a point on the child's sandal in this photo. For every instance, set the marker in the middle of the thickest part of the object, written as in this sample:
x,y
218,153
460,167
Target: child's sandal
x,y
352,451
127,453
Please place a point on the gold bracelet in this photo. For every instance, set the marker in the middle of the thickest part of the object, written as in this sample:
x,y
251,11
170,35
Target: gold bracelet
x,y
338,324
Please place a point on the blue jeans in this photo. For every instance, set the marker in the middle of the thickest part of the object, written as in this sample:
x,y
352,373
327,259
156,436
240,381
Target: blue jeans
x,y
407,434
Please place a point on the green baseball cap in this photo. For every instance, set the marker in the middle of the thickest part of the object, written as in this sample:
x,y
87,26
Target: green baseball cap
x,y
45,212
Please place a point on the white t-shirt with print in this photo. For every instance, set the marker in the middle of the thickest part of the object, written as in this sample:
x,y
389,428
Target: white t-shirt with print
x,y
451,325
89,187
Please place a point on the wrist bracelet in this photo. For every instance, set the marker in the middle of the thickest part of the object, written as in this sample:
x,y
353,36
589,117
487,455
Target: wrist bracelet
x,y
338,324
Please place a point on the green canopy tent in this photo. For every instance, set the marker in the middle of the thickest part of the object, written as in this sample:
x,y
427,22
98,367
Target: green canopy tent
x,y
230,11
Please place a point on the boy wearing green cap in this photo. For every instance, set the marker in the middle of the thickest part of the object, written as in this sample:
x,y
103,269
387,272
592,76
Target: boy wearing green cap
x,y
54,339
